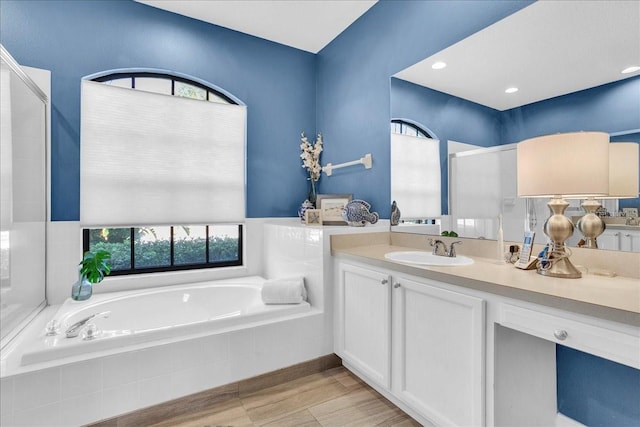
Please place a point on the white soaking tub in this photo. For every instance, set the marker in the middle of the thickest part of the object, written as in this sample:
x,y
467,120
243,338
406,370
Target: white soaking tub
x,y
131,318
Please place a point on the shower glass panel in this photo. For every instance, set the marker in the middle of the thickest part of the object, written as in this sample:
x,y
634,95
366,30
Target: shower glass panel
x,y
482,187
23,198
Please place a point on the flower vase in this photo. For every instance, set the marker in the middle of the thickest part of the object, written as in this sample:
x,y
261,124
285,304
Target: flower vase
x,y
309,203
312,196
82,290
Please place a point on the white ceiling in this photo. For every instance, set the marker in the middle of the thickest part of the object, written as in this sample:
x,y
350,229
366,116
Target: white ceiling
x,y
548,49
304,24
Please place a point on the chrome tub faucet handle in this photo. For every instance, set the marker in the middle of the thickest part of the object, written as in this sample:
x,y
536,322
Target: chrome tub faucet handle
x,y
74,330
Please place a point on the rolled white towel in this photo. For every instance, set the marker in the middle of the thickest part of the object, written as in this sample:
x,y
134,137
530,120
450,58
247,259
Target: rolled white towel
x,y
284,291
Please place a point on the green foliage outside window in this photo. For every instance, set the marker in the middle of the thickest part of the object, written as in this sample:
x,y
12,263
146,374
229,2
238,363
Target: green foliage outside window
x,y
152,252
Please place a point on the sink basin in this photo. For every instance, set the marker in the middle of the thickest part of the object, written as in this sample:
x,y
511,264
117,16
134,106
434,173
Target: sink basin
x,y
427,258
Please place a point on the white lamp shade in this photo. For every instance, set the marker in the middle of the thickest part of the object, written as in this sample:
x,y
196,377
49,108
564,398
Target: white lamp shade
x,y
568,164
624,168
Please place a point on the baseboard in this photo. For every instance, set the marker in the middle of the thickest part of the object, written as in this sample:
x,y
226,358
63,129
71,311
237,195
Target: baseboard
x,y
564,421
204,399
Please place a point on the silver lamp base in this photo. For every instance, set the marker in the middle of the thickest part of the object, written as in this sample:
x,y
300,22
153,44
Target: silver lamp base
x,y
591,225
558,228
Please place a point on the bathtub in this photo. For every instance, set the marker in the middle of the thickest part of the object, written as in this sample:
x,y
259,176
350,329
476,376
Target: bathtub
x,y
131,318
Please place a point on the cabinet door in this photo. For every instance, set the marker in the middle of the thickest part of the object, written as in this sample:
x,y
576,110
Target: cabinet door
x,y
439,352
364,316
610,240
630,241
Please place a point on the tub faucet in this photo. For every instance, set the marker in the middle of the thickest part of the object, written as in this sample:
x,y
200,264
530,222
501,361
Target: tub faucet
x,y
439,247
74,330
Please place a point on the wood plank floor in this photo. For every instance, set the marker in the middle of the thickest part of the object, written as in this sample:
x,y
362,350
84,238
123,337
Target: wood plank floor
x,y
331,398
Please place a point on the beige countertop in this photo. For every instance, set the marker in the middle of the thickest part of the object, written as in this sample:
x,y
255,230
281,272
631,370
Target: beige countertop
x,y
613,298
622,227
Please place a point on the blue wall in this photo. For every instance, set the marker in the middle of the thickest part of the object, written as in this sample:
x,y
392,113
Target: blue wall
x,y
78,38
595,391
353,97
607,108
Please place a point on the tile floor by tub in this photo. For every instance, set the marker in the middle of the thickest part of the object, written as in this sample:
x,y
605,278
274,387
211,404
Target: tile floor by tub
x,y
330,398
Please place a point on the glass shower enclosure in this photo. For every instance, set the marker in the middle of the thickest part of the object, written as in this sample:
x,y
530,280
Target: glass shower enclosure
x,y
23,198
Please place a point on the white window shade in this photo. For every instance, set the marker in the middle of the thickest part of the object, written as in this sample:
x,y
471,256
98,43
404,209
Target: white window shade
x,y
149,159
415,176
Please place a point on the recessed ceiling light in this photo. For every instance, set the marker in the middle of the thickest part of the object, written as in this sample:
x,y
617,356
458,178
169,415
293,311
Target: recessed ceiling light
x,y
511,90
631,69
439,65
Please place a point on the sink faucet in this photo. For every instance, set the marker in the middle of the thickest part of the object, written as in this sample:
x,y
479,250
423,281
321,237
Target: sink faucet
x,y
74,330
452,249
439,247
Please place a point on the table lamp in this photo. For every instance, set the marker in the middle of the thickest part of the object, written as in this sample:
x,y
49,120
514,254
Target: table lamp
x,y
623,184
562,165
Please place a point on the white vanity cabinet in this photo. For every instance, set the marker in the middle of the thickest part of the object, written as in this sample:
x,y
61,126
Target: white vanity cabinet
x,y
435,366
438,359
620,239
630,240
609,240
363,338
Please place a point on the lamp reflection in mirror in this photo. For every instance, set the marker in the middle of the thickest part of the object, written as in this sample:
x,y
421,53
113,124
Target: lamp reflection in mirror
x,y
562,165
623,184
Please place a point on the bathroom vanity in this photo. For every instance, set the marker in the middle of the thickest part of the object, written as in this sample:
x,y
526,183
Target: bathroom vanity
x,y
620,238
472,344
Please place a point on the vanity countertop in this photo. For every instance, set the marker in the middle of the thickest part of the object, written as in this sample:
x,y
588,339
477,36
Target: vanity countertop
x,y
622,227
613,298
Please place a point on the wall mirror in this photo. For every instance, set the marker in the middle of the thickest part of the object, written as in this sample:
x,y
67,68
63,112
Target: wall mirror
x,y
569,79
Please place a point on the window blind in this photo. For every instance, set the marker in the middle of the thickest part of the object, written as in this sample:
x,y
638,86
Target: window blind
x,y
415,176
150,159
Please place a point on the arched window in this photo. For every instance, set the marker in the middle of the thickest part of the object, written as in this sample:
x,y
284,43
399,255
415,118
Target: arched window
x,y
415,172
405,128
153,248
165,84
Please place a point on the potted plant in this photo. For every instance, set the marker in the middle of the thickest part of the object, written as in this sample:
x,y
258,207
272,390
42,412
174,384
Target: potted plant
x,y
93,269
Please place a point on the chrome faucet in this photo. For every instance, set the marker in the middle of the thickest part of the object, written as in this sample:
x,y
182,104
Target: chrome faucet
x,y
452,249
439,247
74,330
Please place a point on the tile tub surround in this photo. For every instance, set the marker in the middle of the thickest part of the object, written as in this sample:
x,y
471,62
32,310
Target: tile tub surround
x,y
276,247
119,383
616,298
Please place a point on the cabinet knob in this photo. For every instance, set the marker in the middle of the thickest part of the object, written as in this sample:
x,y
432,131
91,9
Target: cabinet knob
x,y
384,281
627,235
617,234
397,285
560,334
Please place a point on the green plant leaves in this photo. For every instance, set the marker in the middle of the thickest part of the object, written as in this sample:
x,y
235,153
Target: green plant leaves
x,y
449,234
95,266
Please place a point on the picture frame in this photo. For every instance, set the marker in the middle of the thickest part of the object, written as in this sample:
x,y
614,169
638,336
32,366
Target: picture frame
x,y
313,217
331,206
